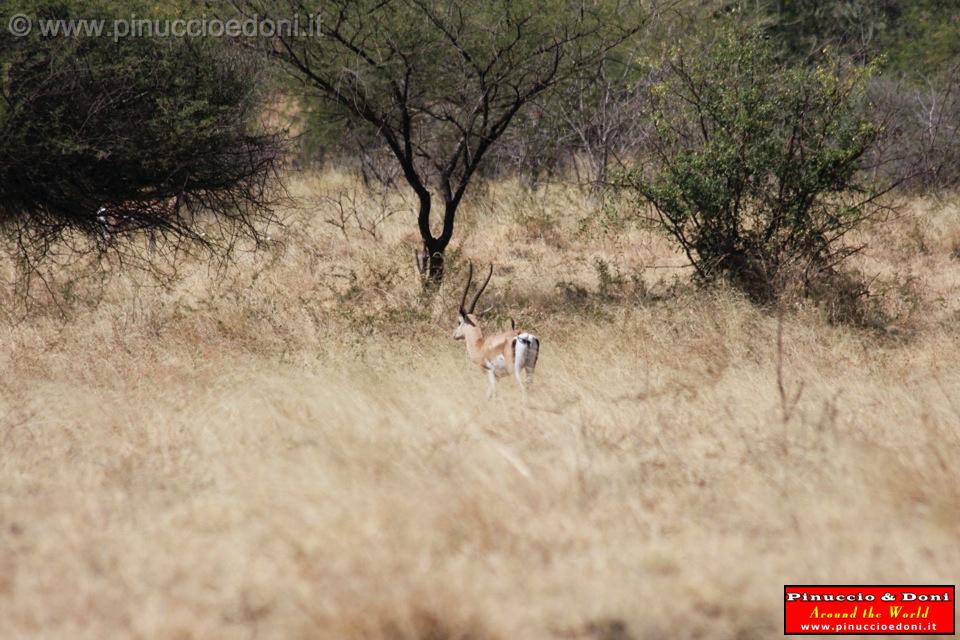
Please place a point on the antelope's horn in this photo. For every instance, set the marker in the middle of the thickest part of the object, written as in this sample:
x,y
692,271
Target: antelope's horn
x,y
480,290
463,298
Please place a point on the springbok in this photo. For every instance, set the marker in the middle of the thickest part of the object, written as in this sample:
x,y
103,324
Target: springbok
x,y
508,352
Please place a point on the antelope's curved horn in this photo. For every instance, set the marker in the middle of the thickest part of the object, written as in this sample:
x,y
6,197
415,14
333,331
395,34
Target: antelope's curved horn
x,y
463,298
480,290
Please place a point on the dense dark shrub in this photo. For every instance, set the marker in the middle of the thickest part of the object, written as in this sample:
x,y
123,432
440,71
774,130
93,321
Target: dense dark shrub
x,y
162,132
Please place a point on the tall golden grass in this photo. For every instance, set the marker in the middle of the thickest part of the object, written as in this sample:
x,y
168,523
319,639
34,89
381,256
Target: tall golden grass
x,y
293,447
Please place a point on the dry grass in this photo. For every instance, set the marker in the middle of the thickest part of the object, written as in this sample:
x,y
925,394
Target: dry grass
x,y
294,447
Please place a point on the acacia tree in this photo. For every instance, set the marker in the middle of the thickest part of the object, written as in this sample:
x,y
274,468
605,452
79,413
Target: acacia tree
x,y
440,80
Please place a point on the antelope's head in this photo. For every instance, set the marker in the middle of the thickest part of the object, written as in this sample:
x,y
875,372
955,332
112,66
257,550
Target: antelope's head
x,y
465,315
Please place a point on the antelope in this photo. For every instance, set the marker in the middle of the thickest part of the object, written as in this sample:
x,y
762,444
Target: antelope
x,y
504,353
115,218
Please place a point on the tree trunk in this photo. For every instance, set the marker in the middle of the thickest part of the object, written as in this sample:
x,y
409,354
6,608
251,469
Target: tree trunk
x,y
430,265
430,259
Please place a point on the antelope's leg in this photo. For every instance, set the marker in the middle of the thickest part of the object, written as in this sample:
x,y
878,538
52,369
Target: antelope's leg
x,y
523,387
492,380
518,376
520,355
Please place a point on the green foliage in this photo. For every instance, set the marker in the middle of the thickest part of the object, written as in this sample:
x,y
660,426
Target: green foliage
x,y
925,39
755,168
920,38
128,124
803,28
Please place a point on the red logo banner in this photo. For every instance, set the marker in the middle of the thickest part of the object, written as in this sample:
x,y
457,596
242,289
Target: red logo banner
x,y
869,609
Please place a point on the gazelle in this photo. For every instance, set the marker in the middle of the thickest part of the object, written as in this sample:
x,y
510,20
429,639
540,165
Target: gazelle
x,y
116,218
505,353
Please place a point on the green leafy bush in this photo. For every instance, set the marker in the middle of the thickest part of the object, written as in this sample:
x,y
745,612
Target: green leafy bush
x,y
755,167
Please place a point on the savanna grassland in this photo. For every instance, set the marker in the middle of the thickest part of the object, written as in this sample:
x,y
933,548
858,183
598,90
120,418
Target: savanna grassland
x,y
293,446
